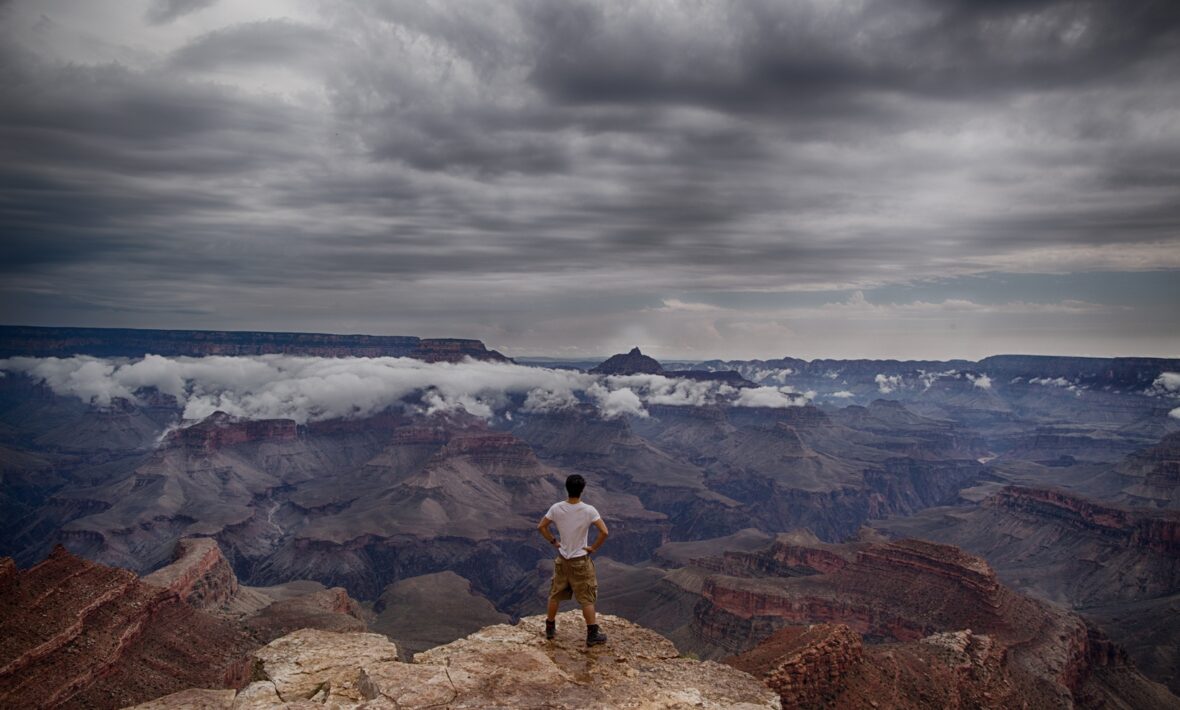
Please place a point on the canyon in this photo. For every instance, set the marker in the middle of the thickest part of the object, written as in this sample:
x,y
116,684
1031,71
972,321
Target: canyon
x,y
807,506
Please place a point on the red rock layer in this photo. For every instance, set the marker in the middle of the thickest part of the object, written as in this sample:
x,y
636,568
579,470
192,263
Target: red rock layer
x,y
77,634
219,430
827,666
901,591
199,575
781,559
492,449
420,436
956,637
807,666
1156,533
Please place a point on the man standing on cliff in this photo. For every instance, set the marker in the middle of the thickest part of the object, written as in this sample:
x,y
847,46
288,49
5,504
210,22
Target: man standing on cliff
x,y
573,570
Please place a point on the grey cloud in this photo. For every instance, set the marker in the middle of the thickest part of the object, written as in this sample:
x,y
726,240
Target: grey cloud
x,y
500,167
789,57
161,12
264,42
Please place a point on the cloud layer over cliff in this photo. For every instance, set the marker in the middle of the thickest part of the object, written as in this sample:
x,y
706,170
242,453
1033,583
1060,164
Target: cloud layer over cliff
x,y
314,388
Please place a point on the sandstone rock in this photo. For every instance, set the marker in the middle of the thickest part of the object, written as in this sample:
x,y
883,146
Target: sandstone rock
x,y
191,699
499,666
302,664
637,668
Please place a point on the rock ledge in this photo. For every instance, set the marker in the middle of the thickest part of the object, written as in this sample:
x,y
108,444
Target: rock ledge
x,y
500,666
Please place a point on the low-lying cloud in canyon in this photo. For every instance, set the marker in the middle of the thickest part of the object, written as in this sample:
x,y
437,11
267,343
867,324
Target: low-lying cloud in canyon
x,y
308,389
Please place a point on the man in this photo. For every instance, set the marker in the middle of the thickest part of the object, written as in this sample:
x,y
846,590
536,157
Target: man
x,y
573,571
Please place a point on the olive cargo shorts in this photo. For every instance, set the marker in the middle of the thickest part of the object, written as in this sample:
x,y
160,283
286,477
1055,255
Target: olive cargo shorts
x,y
574,578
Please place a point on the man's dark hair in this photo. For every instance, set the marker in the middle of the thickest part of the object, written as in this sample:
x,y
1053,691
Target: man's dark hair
x,y
574,485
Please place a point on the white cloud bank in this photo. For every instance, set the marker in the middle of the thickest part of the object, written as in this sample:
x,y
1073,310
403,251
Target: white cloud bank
x,y
887,383
983,382
313,388
1167,382
773,397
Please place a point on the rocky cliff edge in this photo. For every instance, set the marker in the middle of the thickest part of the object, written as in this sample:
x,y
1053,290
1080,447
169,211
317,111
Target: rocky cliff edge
x,y
500,666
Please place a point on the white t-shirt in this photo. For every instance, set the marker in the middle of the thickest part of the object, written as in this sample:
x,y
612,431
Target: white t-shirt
x,y
573,522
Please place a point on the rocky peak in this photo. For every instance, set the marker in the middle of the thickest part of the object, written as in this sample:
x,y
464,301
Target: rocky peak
x,y
499,666
198,574
805,665
636,363
632,363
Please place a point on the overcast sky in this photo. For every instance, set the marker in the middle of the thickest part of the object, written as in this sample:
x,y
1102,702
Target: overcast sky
x,y
928,178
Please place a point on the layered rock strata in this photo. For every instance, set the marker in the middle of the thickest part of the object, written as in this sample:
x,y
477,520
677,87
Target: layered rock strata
x,y
77,634
199,574
202,577
920,602
806,666
1158,533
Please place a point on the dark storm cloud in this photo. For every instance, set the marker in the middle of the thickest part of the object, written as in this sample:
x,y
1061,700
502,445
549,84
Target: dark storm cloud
x,y
805,57
503,164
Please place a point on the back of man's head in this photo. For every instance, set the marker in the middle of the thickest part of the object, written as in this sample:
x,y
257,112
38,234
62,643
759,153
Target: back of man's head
x,y
574,486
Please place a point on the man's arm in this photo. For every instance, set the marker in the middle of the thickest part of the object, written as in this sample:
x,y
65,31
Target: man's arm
x,y
546,533
602,535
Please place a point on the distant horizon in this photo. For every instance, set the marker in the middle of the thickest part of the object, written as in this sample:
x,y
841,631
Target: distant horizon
x,y
600,356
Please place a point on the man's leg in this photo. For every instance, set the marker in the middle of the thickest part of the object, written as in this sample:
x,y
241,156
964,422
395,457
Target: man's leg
x,y
586,590
551,619
559,586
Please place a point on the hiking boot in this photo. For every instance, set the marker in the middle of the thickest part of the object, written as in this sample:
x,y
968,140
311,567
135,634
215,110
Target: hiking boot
x,y
550,628
594,636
